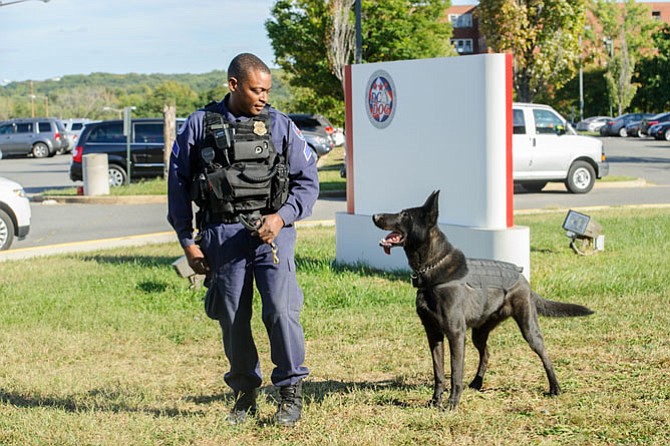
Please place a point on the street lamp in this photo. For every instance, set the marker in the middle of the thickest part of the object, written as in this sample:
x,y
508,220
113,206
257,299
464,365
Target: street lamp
x,y
11,2
117,110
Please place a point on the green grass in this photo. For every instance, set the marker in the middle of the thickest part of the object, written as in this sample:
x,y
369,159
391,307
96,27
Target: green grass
x,y
111,348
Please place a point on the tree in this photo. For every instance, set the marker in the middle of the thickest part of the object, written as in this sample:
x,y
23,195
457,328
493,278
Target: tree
x,y
543,36
626,29
653,73
312,42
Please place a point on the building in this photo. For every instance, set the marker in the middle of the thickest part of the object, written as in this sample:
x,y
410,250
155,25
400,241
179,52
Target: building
x,y
468,40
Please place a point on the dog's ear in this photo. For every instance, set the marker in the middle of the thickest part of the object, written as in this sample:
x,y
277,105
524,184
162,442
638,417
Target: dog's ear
x,y
431,207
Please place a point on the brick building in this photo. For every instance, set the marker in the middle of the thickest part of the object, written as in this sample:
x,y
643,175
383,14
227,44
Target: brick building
x,y
468,40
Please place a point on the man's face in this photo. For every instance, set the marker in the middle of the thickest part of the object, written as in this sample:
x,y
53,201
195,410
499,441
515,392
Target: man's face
x,y
249,96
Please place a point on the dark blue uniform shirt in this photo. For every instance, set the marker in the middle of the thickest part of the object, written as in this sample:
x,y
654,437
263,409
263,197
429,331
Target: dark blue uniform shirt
x,y
287,139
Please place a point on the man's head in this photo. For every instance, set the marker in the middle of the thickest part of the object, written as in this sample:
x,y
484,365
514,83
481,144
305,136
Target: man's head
x,y
249,81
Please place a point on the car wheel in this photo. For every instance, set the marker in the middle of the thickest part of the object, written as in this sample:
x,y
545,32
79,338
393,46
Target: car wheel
x,y
581,177
117,176
622,132
40,150
534,186
6,231
667,135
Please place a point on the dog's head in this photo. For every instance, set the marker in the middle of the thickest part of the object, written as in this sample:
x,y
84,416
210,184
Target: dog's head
x,y
408,225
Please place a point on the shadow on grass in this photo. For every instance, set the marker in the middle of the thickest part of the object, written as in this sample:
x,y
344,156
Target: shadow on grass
x,y
314,392
304,263
94,400
143,261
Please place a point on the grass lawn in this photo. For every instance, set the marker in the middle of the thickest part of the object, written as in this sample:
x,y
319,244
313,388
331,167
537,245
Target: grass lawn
x,y
112,348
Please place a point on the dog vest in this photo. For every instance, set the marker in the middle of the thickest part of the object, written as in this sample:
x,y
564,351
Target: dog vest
x,y
484,274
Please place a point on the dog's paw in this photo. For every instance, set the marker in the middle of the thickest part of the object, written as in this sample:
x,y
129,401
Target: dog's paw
x,y
435,402
554,391
452,405
477,383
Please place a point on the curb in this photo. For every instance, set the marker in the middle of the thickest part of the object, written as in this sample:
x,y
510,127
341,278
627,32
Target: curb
x,y
130,199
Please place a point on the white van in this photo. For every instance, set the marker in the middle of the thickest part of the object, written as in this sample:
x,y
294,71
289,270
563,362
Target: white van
x,y
14,213
547,149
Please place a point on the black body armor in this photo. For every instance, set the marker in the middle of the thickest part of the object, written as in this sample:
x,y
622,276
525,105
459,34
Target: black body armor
x,y
238,171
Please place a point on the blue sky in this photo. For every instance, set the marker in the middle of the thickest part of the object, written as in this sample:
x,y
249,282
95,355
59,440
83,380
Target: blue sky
x,y
45,40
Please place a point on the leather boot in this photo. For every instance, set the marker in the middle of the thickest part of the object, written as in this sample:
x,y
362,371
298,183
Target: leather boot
x,y
290,405
245,404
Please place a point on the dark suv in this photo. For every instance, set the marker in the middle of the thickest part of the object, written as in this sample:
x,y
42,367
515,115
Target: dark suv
x,y
41,137
146,149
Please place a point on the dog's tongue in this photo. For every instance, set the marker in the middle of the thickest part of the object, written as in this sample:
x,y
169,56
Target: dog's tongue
x,y
390,241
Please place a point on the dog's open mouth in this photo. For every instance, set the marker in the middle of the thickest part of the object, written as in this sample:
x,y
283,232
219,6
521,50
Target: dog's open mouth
x,y
391,240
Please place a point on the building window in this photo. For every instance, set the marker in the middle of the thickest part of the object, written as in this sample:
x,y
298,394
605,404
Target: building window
x,y
463,46
656,15
461,20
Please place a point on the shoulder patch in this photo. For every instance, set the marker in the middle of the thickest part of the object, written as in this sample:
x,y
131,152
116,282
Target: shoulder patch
x,y
297,131
307,151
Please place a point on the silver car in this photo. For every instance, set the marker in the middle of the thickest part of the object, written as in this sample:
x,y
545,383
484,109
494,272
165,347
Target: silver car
x,y
39,137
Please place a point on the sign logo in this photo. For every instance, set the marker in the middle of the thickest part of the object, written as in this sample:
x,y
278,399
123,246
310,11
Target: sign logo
x,y
381,99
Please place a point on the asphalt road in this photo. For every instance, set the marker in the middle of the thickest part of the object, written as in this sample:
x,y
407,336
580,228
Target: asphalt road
x,y
68,224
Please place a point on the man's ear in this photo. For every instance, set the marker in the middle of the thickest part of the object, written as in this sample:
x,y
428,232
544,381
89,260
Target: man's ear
x,y
431,207
232,84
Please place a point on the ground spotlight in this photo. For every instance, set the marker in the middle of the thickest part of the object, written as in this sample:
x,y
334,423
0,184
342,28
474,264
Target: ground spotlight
x,y
585,229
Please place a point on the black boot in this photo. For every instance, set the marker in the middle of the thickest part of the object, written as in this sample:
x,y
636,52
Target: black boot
x,y
290,405
245,404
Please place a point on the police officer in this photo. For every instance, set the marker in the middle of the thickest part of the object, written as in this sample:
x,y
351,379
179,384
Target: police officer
x,y
237,241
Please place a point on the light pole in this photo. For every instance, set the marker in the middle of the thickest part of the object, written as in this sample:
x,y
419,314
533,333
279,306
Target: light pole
x,y
11,2
609,44
119,111
359,37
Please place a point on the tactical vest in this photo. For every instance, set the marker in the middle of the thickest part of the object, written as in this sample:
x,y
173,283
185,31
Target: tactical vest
x,y
238,170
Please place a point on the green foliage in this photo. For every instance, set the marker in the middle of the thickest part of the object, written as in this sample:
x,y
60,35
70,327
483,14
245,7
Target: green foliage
x,y
653,73
543,35
84,96
391,29
627,27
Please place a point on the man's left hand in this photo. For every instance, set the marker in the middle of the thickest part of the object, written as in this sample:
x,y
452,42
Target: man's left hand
x,y
272,224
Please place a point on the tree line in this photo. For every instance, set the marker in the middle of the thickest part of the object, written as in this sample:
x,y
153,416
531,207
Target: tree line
x,y
623,54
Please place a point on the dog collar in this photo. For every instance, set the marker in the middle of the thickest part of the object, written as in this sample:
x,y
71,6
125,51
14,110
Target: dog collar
x,y
416,275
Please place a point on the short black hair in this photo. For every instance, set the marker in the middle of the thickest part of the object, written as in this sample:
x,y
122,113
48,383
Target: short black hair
x,y
243,64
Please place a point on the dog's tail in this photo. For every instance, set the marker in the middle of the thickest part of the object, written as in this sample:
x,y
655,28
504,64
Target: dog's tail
x,y
558,309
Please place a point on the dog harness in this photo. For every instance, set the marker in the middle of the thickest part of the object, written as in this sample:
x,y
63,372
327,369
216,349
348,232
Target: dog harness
x,y
482,275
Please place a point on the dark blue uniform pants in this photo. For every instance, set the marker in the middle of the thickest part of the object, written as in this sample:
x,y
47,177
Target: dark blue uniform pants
x,y
236,258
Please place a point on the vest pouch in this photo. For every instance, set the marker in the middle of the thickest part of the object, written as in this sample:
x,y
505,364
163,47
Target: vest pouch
x,y
279,193
246,181
251,150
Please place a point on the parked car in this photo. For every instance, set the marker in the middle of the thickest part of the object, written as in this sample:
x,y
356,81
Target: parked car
x,y
14,213
146,149
41,137
313,123
617,126
547,149
633,128
593,123
73,127
653,120
321,145
660,131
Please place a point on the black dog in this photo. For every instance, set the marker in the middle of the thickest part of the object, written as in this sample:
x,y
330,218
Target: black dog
x,y
454,293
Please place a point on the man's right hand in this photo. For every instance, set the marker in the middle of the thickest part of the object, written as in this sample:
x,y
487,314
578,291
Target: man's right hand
x,y
196,259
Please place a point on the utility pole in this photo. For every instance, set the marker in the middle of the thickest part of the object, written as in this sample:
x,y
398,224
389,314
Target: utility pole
x,y
359,36
32,100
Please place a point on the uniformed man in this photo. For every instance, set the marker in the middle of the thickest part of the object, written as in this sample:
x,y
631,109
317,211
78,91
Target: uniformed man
x,y
223,152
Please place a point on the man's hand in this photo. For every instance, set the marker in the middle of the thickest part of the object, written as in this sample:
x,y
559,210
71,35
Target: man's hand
x,y
272,224
196,259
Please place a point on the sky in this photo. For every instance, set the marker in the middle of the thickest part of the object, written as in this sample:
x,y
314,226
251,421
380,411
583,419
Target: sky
x,y
41,41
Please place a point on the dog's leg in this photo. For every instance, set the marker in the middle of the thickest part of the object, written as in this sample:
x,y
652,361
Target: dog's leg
x,y
456,335
479,338
526,318
436,343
